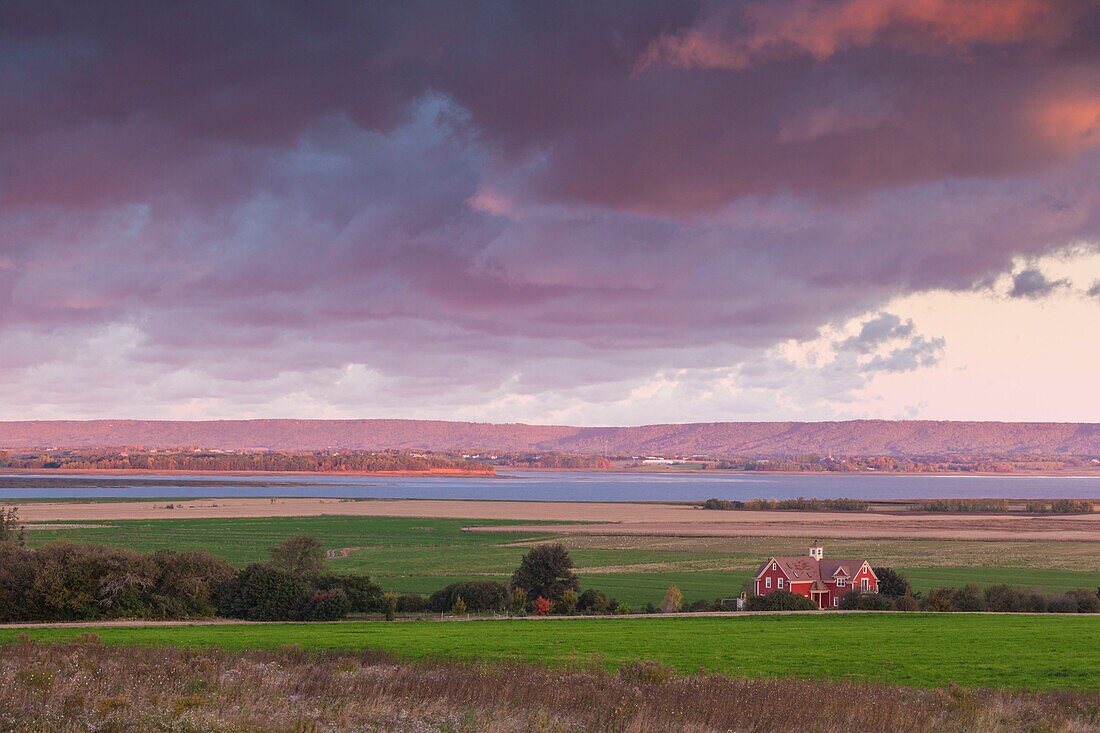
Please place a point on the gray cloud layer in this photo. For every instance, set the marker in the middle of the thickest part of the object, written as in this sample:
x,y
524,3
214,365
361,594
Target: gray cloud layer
x,y
469,197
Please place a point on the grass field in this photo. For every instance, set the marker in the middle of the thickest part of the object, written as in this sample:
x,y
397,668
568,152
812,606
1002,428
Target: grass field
x,y
924,650
423,555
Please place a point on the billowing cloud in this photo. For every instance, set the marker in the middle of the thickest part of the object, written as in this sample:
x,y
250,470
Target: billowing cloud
x,y
468,203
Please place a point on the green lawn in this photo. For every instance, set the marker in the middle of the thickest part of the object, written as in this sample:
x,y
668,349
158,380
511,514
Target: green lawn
x,y
927,650
422,555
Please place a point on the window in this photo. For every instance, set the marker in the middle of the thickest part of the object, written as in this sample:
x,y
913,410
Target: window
x,y
773,566
840,582
779,583
836,602
767,582
864,584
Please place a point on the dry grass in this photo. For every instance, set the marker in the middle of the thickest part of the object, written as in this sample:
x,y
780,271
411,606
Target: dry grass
x,y
91,687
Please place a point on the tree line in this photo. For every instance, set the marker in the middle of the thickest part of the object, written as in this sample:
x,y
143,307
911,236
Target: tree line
x,y
320,461
65,581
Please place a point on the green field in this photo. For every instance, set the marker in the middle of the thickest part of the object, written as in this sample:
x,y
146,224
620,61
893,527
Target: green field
x,y
423,555
924,650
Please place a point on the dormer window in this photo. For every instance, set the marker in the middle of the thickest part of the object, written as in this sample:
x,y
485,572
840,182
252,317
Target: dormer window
x,y
840,582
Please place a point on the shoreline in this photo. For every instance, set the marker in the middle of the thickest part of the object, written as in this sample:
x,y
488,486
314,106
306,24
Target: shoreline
x,y
500,472
431,472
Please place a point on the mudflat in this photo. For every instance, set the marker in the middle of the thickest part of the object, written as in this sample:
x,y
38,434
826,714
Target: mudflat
x,y
604,518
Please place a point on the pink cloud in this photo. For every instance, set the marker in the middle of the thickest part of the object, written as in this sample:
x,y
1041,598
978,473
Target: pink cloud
x,y
765,31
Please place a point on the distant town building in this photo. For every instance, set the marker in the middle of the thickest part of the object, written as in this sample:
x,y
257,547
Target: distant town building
x,y
822,580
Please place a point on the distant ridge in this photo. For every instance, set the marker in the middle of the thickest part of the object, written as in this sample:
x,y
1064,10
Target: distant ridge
x,y
852,438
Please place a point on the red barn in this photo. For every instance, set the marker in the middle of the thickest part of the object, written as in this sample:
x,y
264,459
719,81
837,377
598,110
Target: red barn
x,y
821,580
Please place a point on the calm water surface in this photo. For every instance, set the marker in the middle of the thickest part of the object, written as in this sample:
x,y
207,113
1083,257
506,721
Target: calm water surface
x,y
571,486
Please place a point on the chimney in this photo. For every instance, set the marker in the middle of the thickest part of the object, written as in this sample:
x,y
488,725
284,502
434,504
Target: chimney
x,y
816,550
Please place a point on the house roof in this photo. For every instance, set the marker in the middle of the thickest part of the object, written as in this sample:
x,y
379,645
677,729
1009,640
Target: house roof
x,y
804,567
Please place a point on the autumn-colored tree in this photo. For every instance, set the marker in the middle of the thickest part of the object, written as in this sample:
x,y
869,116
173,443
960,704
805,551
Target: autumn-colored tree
x,y
542,606
519,600
673,599
389,605
459,607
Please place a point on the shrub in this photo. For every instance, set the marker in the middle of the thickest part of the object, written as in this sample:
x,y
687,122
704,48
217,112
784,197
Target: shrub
x,y
781,600
187,583
1071,506
519,600
264,593
645,672
968,598
940,599
906,603
459,606
546,571
892,583
856,601
411,603
567,604
484,595
364,594
1007,599
623,609
327,605
594,601
1061,604
700,605
542,606
1086,602
849,601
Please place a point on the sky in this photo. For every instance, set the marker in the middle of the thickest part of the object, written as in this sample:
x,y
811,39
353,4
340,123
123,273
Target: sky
x,y
550,212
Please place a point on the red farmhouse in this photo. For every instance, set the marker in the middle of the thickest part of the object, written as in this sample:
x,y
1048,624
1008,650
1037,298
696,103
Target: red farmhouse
x,y
822,581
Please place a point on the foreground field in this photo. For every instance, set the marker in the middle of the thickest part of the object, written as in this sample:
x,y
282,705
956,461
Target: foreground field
x,y
923,650
419,555
135,690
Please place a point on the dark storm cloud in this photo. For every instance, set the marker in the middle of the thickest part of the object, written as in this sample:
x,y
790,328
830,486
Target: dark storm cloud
x,y
270,188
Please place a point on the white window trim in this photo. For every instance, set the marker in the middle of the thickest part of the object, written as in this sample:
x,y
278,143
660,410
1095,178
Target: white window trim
x,y
779,583
836,602
767,582
865,584
840,582
774,566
